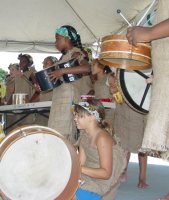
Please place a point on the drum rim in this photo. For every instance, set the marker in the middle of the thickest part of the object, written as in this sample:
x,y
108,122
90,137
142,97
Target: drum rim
x,y
118,66
117,37
46,69
128,99
15,135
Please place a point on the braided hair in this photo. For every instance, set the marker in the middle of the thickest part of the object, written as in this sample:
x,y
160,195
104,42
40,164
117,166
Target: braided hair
x,y
76,42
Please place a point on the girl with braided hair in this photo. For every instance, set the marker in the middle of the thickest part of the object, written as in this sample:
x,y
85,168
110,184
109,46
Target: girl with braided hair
x,y
102,159
68,42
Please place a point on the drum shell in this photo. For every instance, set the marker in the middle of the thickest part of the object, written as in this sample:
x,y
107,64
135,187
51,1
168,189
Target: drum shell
x,y
27,131
20,98
45,81
70,77
117,52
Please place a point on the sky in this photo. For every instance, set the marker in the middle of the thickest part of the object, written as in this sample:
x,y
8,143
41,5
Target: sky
x,y
7,58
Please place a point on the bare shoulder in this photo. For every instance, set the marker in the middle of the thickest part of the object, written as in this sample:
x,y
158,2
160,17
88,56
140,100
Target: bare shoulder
x,y
104,138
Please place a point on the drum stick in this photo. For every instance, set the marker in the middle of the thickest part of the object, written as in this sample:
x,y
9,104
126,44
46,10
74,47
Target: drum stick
x,y
145,14
119,12
98,46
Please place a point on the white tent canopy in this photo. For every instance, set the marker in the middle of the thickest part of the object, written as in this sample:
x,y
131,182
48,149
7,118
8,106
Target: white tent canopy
x,y
30,25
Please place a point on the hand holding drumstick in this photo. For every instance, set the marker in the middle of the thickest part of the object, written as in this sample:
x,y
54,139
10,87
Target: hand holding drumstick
x,y
147,34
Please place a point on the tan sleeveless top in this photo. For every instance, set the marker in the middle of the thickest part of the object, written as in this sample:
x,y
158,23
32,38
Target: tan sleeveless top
x,y
100,186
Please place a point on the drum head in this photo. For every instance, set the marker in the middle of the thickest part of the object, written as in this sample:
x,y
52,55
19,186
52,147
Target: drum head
x,y
37,163
135,90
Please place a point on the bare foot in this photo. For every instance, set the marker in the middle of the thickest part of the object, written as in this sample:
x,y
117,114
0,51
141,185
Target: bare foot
x,y
123,177
142,184
166,197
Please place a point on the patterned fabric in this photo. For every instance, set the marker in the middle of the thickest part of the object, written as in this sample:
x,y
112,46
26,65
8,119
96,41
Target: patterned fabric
x,y
29,58
64,32
91,109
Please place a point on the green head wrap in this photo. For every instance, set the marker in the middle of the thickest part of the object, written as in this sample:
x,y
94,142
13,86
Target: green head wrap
x,y
65,33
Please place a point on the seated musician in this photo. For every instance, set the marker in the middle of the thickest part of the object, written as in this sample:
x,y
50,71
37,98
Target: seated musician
x,y
101,157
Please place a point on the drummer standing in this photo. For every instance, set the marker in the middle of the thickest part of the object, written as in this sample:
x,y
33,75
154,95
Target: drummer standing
x,y
49,61
156,137
101,90
68,42
24,82
129,127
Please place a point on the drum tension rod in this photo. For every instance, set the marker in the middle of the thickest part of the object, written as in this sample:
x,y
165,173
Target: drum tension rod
x,y
141,74
147,87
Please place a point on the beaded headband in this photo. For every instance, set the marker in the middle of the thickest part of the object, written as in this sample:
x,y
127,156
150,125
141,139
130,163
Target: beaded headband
x,y
91,109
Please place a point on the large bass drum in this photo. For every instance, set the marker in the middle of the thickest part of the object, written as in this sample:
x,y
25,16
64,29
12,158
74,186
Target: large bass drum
x,y
37,163
134,88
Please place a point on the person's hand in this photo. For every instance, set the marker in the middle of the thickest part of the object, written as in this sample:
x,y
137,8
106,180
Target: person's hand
x,y
56,74
113,89
138,34
17,73
37,88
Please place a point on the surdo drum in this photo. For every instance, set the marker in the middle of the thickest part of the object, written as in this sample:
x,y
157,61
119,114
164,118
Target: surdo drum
x,y
117,52
37,163
134,88
45,81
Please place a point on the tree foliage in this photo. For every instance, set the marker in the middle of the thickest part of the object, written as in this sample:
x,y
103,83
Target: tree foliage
x,y
3,74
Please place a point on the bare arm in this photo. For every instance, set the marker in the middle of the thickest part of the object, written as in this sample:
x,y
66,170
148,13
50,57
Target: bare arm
x,y
82,155
84,67
104,146
147,34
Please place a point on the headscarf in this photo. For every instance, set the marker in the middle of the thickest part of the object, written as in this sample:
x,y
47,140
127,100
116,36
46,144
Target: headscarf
x,y
63,31
28,57
52,58
90,109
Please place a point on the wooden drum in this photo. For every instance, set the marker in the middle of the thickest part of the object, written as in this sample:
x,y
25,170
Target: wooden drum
x,y
117,52
36,162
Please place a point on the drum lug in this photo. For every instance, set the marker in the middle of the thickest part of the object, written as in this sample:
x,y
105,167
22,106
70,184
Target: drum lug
x,y
23,133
